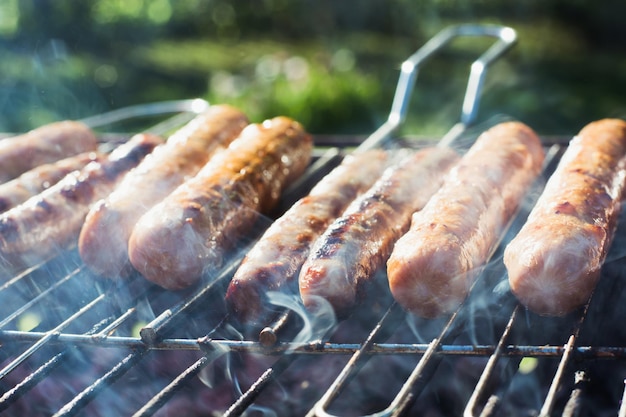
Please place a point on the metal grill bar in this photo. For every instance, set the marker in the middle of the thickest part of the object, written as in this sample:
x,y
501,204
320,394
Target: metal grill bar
x,y
269,376
168,392
548,405
354,364
89,393
479,391
48,291
622,408
34,378
316,348
47,337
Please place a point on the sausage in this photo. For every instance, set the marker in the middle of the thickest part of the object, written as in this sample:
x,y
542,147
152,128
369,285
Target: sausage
x,y
274,261
103,240
357,245
45,144
50,222
190,232
36,180
555,260
433,266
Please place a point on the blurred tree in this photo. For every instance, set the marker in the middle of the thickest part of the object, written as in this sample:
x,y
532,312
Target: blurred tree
x,y
74,58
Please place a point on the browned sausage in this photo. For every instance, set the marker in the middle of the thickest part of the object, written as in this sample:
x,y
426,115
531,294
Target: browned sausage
x,y
274,261
103,241
191,230
356,245
554,262
434,264
45,144
36,180
50,221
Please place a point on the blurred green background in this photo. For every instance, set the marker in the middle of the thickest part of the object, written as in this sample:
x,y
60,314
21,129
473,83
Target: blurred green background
x,y
333,65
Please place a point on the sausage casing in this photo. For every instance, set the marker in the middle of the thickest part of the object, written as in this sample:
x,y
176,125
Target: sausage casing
x,y
275,260
103,240
50,221
36,180
357,245
191,231
555,260
45,144
434,264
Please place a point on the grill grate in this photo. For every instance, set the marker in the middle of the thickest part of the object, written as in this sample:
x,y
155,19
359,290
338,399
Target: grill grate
x,y
92,344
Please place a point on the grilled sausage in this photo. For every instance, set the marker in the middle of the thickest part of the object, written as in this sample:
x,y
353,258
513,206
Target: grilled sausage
x,y
357,245
434,264
274,261
36,180
190,232
45,144
50,221
555,260
103,241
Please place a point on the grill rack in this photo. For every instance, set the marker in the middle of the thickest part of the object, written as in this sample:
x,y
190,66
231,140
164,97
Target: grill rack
x,y
41,286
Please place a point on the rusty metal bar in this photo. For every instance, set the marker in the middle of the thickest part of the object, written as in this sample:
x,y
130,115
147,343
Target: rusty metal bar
x,y
315,348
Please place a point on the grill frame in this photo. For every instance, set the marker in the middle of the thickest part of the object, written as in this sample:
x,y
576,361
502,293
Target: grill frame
x,y
153,336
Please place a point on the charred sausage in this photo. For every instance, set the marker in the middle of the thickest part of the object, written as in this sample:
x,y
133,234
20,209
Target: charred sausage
x,y
357,245
190,232
554,262
50,221
103,241
36,180
434,264
45,144
274,261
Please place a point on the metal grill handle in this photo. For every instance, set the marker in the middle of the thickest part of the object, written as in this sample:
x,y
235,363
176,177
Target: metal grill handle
x,y
506,38
186,108
196,105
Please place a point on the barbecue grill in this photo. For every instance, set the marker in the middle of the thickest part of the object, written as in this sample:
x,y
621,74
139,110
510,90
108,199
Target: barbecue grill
x,y
73,344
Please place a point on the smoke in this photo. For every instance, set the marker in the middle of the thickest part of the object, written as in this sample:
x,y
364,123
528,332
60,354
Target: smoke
x,y
44,85
317,322
215,372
